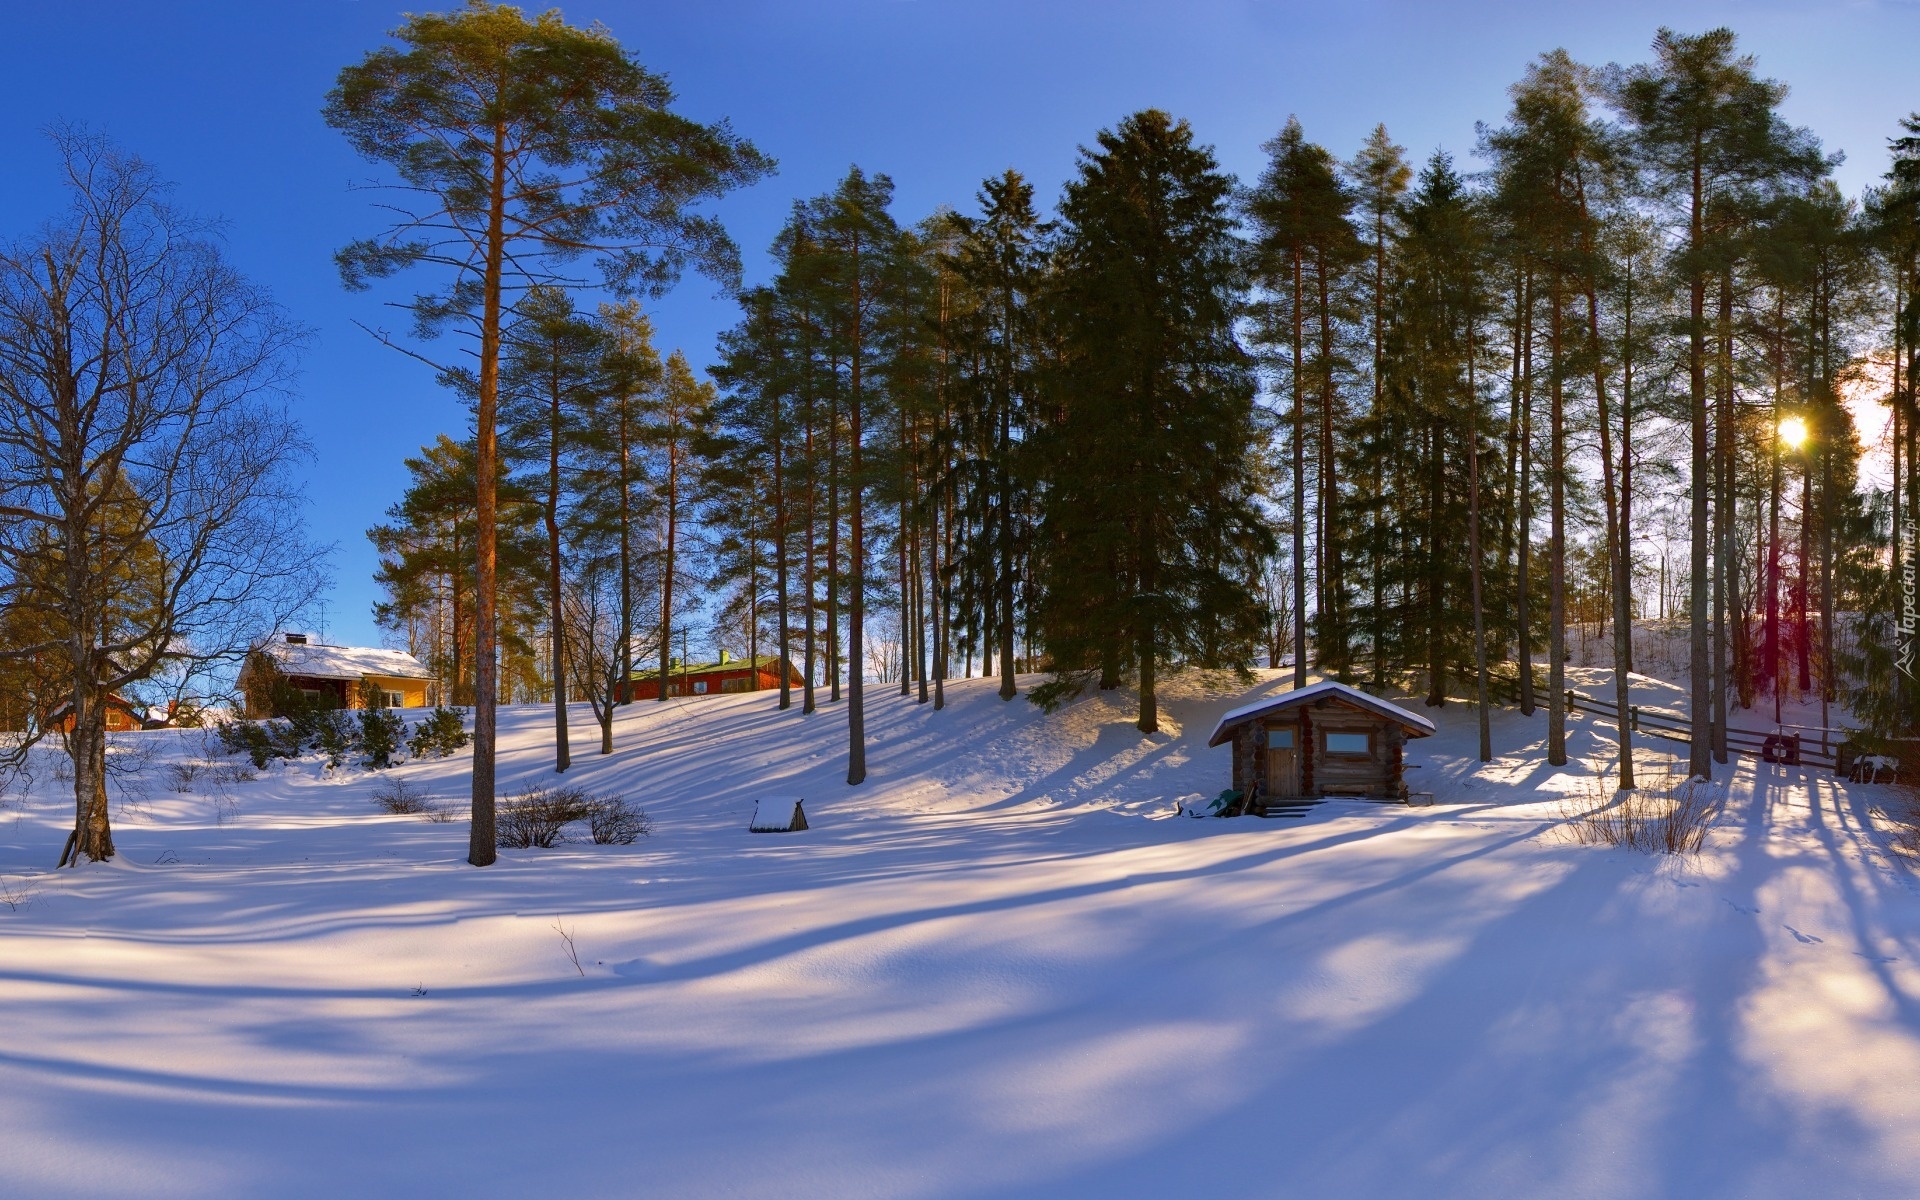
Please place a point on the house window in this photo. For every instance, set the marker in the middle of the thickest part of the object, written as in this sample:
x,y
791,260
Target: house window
x,y
1279,739
1360,744
739,683
699,687
395,699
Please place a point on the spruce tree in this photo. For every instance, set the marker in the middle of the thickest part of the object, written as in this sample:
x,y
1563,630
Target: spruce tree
x,y
1149,521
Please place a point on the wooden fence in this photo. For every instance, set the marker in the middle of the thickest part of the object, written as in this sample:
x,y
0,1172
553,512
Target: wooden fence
x,y
1819,747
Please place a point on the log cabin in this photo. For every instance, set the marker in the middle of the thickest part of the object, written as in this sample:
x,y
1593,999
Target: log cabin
x,y
1325,739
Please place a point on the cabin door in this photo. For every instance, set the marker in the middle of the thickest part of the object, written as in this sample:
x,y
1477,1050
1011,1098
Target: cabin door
x,y
1283,765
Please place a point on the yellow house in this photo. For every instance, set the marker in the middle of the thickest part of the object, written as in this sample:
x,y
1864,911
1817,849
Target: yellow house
x,y
340,672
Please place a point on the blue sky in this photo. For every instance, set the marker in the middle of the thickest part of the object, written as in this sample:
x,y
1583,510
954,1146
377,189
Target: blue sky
x,y
224,97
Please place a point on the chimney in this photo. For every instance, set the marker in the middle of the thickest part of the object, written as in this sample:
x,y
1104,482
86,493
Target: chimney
x,y
725,658
296,639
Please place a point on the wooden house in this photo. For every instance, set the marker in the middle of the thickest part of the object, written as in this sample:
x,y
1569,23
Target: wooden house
x,y
1325,739
121,716
341,673
729,674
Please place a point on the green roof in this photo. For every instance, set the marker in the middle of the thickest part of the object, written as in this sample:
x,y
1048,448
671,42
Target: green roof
x,y
770,662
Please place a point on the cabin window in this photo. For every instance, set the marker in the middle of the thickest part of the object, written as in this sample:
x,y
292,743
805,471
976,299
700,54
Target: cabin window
x,y
395,699
1349,743
699,687
739,683
1279,739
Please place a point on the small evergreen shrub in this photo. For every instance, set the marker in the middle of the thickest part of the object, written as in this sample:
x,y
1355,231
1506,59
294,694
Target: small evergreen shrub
x,y
335,737
382,733
438,734
260,741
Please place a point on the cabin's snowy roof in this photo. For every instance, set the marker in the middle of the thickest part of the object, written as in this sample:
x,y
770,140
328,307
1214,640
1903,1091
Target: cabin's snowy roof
x,y
344,662
1415,724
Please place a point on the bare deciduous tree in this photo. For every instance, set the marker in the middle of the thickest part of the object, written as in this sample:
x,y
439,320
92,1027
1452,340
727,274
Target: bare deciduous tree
x,y
148,518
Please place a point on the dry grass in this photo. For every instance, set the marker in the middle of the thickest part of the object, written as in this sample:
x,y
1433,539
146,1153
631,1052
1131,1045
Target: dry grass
x,y
1671,818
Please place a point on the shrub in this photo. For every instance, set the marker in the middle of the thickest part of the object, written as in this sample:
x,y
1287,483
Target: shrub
x,y
334,736
182,774
438,734
615,822
440,812
260,741
381,734
234,773
1671,819
539,816
399,796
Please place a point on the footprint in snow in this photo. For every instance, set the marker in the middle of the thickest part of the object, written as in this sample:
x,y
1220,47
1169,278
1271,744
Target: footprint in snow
x,y
1805,939
1738,907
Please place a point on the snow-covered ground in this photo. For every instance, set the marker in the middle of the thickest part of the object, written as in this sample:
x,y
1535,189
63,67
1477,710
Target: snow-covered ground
x,y
997,969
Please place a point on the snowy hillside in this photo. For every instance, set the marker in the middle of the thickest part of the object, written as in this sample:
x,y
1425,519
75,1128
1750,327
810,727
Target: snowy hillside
x,y
1000,968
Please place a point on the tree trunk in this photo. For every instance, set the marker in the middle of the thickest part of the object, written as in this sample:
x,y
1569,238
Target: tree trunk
x,y
1700,698
1523,576
557,628
1333,651
1557,546
1299,484
481,850
1723,434
668,564
781,567
1474,553
856,557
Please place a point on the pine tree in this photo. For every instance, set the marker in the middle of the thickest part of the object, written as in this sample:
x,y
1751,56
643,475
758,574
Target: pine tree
x,y
1303,243
1705,125
526,145
550,381
679,420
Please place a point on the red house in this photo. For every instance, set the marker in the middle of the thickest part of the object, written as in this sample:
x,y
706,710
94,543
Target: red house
x,y
711,679
121,716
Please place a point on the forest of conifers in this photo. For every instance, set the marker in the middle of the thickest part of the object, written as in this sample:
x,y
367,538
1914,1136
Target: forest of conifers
x,y
1387,419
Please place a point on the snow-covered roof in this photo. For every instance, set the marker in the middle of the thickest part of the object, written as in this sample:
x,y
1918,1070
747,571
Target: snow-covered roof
x,y
777,814
1415,724
344,662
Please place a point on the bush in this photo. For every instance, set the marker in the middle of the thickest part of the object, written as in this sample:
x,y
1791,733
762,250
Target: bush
x,y
1672,819
438,734
381,734
182,774
615,822
261,741
398,796
539,816
334,736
